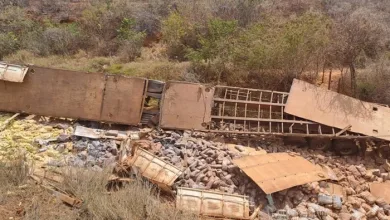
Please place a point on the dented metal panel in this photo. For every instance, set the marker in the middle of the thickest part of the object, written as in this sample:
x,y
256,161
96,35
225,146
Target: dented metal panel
x,y
123,98
215,204
186,105
74,94
279,171
336,110
53,92
155,169
381,190
12,73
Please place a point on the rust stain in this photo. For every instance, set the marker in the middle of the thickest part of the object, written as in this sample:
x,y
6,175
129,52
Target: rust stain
x,y
279,171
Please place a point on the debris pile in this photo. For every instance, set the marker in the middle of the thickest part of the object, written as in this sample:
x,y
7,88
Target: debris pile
x,y
356,186
205,164
93,153
208,165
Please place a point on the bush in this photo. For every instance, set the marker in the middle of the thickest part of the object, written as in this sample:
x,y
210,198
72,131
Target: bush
x,y
130,40
287,49
178,34
373,82
8,44
112,30
59,41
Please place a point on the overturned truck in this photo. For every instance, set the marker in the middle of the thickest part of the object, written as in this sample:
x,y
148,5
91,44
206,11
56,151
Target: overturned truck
x,y
323,118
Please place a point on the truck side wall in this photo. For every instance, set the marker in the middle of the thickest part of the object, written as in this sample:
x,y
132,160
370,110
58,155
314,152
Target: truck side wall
x,y
73,94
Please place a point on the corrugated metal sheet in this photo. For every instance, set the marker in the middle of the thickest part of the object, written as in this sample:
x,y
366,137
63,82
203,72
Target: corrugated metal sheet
x,y
279,171
155,169
186,105
12,73
215,204
336,110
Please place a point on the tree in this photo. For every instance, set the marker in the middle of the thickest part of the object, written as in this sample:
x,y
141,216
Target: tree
x,y
360,33
275,52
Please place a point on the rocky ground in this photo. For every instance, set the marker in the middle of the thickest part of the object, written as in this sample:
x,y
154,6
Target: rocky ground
x,y
207,164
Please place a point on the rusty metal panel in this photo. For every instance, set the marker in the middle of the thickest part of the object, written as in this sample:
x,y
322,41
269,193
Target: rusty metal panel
x,y
210,203
123,98
74,94
279,171
186,105
155,169
381,190
336,110
53,92
12,73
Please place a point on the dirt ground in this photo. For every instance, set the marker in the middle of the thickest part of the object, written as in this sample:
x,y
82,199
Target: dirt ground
x,y
32,202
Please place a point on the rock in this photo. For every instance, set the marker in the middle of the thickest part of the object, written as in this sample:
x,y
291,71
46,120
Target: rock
x,y
345,216
373,211
63,138
61,148
355,172
82,155
61,126
368,197
380,202
354,183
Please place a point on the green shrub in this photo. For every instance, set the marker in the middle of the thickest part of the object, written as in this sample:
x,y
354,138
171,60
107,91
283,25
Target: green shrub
x,y
130,40
8,44
288,49
178,34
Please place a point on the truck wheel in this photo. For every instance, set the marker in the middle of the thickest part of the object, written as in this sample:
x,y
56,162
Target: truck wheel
x,y
345,147
322,144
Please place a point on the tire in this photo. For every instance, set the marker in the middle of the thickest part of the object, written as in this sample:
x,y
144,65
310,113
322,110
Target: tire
x,y
321,144
345,147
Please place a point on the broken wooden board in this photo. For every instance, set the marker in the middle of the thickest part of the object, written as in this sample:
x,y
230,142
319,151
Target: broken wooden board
x,y
12,73
153,168
381,190
336,110
213,204
278,171
75,202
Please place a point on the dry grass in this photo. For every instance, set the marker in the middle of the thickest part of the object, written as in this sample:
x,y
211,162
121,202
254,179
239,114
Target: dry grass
x,y
138,200
152,64
21,198
14,173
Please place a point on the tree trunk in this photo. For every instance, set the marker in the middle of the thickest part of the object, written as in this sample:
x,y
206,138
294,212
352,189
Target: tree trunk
x,y
330,78
353,78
